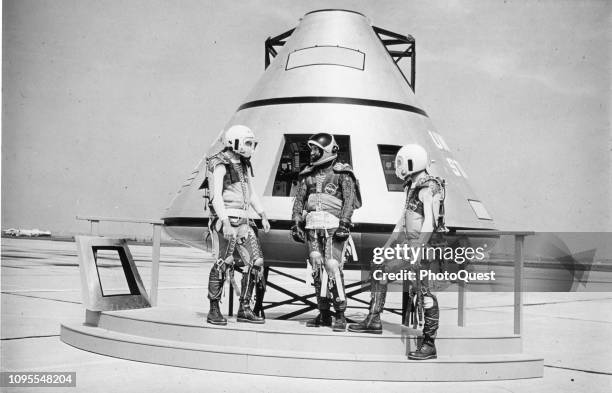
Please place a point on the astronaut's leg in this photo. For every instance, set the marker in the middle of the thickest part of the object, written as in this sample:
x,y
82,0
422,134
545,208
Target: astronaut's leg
x,y
222,251
250,253
333,265
371,323
315,249
431,311
378,295
260,291
260,285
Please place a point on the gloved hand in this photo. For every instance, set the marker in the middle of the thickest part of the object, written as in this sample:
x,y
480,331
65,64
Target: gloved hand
x,y
297,232
343,231
264,222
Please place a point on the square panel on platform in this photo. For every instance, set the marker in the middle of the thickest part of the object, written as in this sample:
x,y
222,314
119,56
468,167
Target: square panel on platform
x,y
109,277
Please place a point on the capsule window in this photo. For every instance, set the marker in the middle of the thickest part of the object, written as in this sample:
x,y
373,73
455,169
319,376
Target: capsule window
x,y
326,55
479,210
387,158
296,156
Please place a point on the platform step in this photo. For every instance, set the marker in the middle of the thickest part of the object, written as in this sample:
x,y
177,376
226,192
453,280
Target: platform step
x,y
268,361
189,326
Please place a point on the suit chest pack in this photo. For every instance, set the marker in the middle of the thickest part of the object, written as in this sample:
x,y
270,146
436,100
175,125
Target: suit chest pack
x,y
329,182
235,180
413,203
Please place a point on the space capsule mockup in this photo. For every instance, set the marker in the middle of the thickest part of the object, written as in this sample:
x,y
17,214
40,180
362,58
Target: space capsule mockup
x,y
336,73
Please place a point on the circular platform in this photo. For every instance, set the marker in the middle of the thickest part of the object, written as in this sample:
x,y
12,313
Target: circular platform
x,y
180,337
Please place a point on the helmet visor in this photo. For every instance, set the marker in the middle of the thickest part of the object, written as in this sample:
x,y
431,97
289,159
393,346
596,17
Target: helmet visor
x,y
315,153
247,147
251,143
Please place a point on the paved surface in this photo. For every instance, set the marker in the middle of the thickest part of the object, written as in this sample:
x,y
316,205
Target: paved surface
x,y
41,289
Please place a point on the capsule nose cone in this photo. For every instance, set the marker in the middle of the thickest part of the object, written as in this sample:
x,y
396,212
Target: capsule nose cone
x,y
337,54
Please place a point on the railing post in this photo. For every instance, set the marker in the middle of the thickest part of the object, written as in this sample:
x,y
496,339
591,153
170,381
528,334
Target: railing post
x,y
230,303
461,304
519,260
155,263
94,227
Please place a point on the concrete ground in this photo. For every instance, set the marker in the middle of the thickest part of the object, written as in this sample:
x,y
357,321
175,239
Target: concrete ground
x,y
41,289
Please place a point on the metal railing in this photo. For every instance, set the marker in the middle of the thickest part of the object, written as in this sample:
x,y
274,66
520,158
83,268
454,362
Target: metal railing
x,y
94,222
519,262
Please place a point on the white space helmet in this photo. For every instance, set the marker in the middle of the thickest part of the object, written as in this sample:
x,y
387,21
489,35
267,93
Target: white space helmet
x,y
240,139
326,148
410,159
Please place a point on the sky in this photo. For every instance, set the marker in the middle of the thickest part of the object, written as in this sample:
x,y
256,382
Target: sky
x,y
108,105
